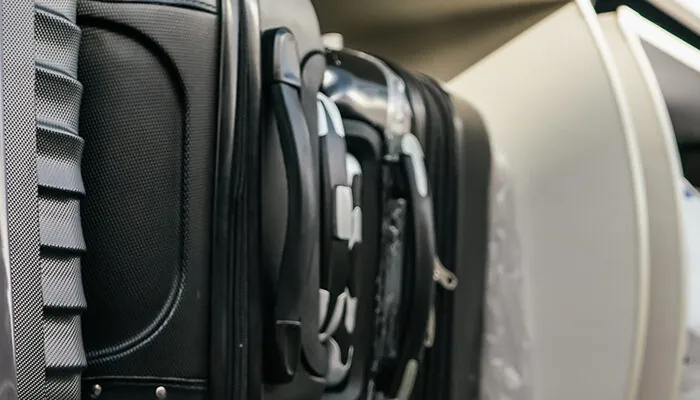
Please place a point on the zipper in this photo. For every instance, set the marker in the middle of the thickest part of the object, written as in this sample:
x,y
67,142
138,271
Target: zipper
x,y
437,138
245,197
241,242
441,139
444,277
448,281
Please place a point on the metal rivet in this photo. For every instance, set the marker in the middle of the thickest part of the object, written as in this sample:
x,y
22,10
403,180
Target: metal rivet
x,y
96,391
161,393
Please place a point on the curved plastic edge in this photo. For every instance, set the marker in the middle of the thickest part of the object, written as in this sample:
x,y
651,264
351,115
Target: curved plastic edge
x,y
555,375
659,152
606,54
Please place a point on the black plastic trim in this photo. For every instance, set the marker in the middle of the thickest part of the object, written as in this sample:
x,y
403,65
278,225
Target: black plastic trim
x,y
222,272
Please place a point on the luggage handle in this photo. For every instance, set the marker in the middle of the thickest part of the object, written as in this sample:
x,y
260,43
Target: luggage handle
x,y
283,65
412,163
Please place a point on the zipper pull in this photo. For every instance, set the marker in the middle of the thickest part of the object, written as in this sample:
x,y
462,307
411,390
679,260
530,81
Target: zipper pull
x,y
444,276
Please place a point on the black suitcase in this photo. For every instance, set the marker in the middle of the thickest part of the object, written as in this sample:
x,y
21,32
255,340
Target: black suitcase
x,y
201,214
308,205
170,119
369,92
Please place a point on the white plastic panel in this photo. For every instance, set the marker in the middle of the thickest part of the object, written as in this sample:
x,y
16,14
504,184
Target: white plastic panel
x,y
625,31
554,106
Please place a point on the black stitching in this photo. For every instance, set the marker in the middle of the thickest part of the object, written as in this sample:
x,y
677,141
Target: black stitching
x,y
194,4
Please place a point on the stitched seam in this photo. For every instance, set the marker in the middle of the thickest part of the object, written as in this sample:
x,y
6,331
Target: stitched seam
x,y
196,4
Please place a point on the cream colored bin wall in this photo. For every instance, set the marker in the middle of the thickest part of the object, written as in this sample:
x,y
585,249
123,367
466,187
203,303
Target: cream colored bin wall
x,y
664,351
553,103
438,37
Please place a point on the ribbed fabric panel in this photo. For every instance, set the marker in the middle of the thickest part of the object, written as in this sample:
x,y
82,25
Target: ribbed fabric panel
x,y
59,150
63,284
59,222
59,156
64,343
57,42
65,8
57,99
63,386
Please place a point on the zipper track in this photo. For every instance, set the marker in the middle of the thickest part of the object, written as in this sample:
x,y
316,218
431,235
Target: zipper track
x,y
241,242
441,138
245,197
438,141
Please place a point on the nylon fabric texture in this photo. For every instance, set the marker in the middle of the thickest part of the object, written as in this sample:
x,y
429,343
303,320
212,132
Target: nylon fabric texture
x,y
19,122
59,153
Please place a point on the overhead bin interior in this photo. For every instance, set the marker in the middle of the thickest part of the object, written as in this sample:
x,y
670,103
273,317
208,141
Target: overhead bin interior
x,y
680,85
441,38
625,31
559,121
678,74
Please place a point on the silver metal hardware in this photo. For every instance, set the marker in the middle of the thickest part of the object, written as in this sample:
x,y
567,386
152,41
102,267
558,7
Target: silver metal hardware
x,y
333,41
444,276
356,228
346,306
332,112
337,370
161,393
95,391
411,147
321,116
398,118
323,300
336,317
352,167
342,200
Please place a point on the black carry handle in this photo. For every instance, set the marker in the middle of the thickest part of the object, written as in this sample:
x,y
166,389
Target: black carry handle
x,y
412,164
283,70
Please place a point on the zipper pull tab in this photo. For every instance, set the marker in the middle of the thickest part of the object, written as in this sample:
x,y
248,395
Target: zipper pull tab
x,y
429,339
444,276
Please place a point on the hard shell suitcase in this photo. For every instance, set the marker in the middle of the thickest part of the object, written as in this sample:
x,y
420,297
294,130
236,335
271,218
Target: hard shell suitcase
x,y
368,92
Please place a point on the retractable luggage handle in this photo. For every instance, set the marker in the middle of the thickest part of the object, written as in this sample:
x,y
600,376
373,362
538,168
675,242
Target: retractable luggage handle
x,y
403,151
284,83
422,245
